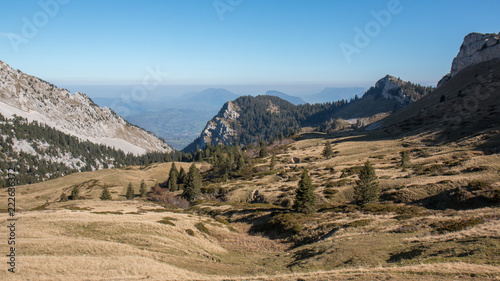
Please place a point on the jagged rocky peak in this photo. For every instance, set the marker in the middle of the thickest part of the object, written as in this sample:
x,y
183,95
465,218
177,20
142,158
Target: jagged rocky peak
x,y
218,130
388,83
390,88
229,111
77,115
476,48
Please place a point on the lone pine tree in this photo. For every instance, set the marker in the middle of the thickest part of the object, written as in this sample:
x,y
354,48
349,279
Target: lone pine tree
x,y
172,178
142,189
272,164
263,150
74,193
327,151
405,160
367,187
130,192
305,199
105,195
192,188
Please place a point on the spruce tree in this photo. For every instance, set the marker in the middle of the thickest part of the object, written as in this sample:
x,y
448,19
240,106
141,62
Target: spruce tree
x,y
192,189
327,151
272,164
130,192
172,182
172,178
240,163
305,199
405,160
74,193
142,189
367,187
263,150
182,176
105,195
173,170
167,158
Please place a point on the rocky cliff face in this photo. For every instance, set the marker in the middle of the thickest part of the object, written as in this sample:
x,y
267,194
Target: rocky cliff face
x,y
475,49
390,88
77,115
388,95
394,89
218,130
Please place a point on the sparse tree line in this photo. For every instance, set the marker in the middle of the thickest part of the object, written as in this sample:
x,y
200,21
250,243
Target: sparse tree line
x,y
366,191
190,183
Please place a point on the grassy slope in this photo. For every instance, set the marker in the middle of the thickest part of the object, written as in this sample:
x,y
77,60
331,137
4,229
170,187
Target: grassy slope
x,y
95,240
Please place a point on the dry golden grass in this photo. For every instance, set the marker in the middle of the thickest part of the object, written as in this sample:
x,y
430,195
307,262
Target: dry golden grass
x,y
90,239
30,196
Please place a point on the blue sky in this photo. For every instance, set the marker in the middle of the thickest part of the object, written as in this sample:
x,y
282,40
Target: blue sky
x,y
275,42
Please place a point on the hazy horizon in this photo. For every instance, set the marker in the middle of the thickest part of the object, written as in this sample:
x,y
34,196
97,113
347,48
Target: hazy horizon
x,y
177,91
214,43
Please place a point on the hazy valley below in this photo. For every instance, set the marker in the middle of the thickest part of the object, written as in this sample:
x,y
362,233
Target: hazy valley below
x,y
179,119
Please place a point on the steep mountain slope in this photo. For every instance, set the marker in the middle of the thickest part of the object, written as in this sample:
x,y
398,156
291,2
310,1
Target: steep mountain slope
x,y
475,49
281,95
176,119
465,104
31,152
77,115
388,95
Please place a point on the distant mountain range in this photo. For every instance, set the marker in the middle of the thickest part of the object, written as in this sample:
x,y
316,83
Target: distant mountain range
x,y
211,96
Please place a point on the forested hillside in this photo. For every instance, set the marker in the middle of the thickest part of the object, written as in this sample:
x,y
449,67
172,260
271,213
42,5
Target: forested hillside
x,y
250,120
30,152
262,118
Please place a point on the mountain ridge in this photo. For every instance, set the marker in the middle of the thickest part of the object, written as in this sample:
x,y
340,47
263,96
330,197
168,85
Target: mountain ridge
x,y
292,99
75,114
263,112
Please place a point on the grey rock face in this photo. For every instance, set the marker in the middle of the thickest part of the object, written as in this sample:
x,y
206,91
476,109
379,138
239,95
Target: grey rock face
x,y
218,130
77,115
476,48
